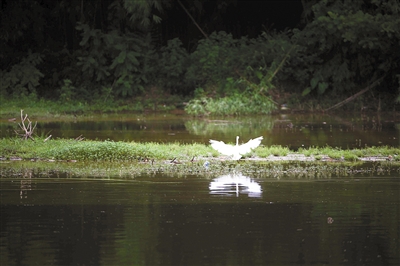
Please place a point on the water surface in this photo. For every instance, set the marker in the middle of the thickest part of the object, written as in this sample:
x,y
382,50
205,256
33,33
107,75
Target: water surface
x,y
54,218
292,130
216,220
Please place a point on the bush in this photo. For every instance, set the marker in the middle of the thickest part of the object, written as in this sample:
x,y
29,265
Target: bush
x,y
171,67
22,78
230,105
124,62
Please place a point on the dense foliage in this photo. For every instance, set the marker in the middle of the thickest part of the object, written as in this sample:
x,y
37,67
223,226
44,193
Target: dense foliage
x,y
349,43
108,50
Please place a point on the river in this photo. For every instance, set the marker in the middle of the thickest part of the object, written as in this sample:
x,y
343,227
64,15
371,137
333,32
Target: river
x,y
205,219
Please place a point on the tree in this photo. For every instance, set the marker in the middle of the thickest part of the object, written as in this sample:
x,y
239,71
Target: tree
x,y
348,43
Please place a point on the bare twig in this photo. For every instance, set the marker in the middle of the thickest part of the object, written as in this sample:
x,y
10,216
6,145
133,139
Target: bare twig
x,y
26,128
79,138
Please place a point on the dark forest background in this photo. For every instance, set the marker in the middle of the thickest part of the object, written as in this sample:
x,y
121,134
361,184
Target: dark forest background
x,y
258,52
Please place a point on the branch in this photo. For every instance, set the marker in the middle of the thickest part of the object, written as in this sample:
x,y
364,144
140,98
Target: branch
x,y
190,16
28,129
46,139
79,138
373,84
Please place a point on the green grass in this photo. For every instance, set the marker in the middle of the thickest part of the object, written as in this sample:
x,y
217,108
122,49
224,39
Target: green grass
x,y
274,150
351,154
11,107
89,150
64,149
105,159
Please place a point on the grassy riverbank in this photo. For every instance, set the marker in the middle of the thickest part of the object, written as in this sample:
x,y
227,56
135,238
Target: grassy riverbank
x,y
36,107
88,150
108,159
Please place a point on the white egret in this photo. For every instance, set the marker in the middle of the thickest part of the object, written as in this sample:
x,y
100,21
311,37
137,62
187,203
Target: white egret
x,y
236,151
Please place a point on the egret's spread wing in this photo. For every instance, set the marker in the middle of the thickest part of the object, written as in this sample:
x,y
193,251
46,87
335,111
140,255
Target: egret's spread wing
x,y
251,144
223,148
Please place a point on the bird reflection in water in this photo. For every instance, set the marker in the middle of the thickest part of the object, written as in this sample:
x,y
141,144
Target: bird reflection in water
x,y
235,184
26,185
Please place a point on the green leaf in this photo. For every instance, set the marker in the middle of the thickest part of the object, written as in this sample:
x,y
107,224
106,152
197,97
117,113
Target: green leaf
x,y
306,91
314,81
132,56
121,57
322,86
120,46
332,15
259,74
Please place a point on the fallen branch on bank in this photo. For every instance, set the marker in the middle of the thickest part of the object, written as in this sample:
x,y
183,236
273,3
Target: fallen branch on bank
x,y
351,98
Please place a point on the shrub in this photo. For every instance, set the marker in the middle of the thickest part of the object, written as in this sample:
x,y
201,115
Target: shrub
x,y
23,77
